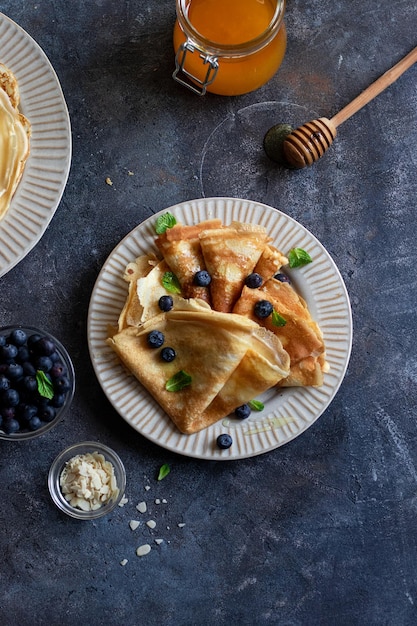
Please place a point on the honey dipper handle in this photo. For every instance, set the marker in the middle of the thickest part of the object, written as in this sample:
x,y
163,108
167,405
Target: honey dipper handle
x,y
376,88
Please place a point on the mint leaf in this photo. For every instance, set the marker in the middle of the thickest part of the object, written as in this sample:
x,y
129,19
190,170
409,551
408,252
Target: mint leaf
x,y
45,387
255,405
167,220
298,257
164,470
277,319
177,382
171,283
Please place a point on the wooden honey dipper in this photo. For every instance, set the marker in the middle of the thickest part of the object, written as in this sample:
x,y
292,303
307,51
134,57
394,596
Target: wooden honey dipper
x,y
306,144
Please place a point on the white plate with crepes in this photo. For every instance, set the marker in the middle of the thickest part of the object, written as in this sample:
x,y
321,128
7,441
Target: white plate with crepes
x,y
46,171
287,412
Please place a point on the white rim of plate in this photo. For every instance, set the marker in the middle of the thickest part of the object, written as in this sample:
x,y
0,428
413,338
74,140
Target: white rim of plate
x,y
288,412
47,168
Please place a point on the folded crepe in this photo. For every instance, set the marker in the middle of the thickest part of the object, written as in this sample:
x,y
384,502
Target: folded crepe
x,y
300,335
230,254
132,313
145,278
230,359
270,262
181,249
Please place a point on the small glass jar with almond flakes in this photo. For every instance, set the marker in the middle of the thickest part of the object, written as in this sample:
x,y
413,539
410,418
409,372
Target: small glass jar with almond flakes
x,y
87,480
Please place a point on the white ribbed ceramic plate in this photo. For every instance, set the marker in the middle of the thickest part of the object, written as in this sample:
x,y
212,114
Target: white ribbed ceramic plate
x,y
47,168
288,412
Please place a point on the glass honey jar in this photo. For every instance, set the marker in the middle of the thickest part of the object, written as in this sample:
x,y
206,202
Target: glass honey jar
x,y
228,47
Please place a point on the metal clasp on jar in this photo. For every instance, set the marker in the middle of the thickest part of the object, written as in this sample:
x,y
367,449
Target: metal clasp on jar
x,y
181,75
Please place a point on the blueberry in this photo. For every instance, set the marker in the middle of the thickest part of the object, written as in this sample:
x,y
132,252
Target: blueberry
x,y
48,413
55,357
41,402
35,423
224,441
23,354
4,382
14,371
168,354
155,339
18,337
8,413
10,397
8,352
11,426
58,400
243,411
283,278
29,369
253,281
62,385
32,339
44,346
27,411
263,309
202,278
3,340
165,303
58,369
43,363
29,384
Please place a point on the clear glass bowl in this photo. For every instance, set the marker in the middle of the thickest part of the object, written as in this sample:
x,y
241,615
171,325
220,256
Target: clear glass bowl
x,y
58,466
66,359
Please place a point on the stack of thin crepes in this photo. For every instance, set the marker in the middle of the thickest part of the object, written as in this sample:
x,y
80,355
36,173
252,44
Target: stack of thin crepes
x,y
229,354
15,131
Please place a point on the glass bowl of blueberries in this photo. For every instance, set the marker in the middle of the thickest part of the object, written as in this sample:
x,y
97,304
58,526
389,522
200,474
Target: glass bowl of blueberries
x,y
37,382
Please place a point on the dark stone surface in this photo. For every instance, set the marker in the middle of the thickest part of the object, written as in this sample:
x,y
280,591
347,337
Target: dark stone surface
x,y
322,530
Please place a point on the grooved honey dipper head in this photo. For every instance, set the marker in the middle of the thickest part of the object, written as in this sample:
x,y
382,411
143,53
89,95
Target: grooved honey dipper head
x,y
309,142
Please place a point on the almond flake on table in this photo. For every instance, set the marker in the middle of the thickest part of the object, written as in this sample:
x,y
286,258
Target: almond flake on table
x,y
123,562
151,523
143,550
158,541
134,524
123,501
141,507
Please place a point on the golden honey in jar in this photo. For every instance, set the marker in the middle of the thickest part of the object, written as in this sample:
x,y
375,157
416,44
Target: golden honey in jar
x,y
228,47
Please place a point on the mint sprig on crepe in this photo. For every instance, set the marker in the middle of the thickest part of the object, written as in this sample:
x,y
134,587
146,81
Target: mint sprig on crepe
x,y
277,319
167,220
177,382
171,283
